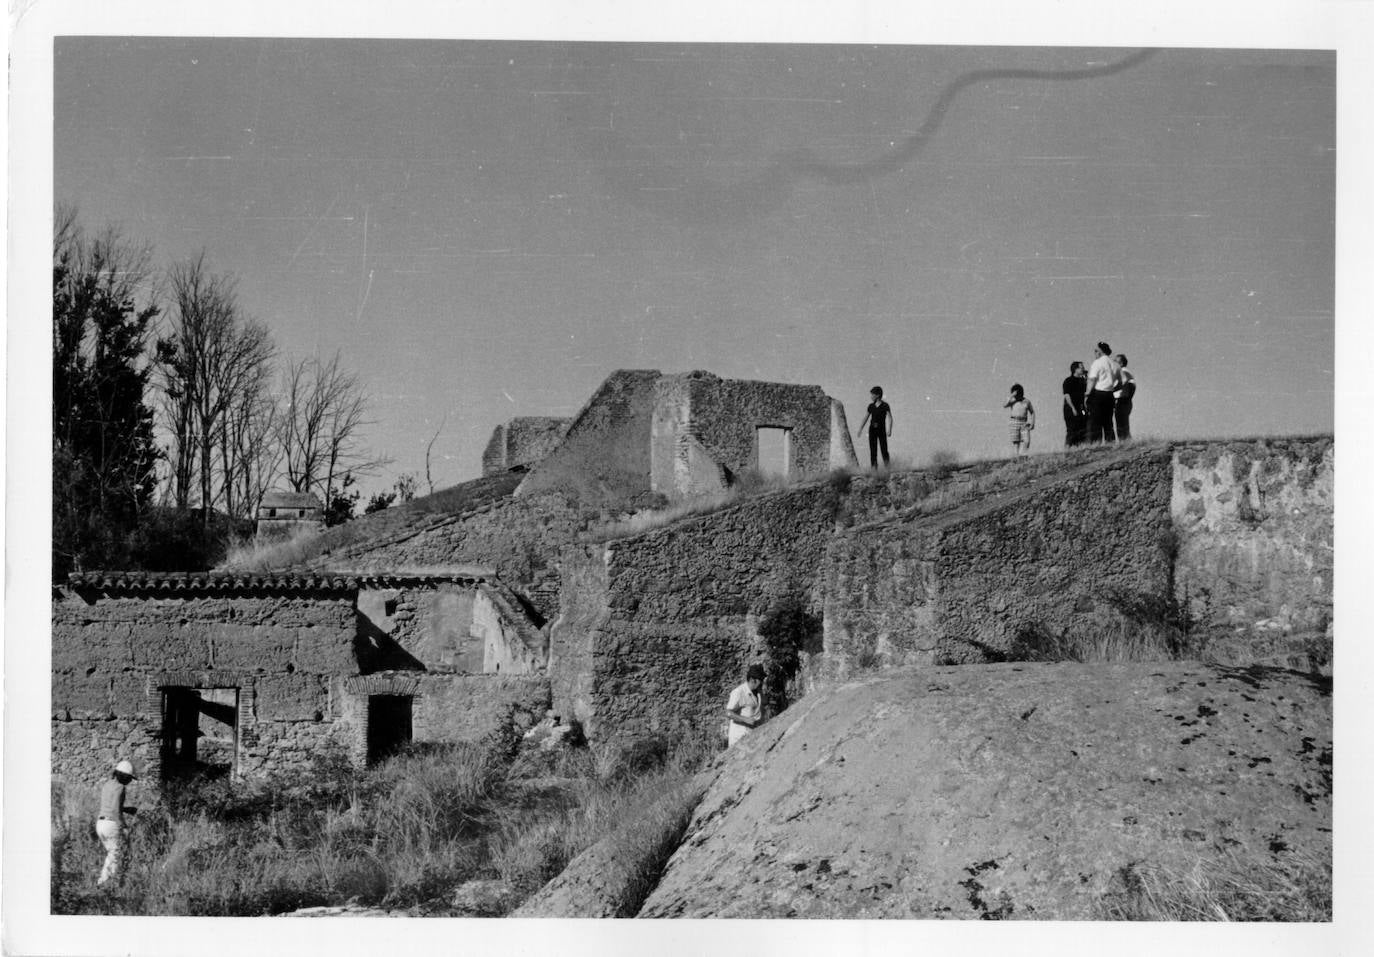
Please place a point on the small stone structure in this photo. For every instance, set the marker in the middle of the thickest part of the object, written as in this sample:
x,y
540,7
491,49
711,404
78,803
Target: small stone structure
x,y
645,435
248,674
284,515
521,442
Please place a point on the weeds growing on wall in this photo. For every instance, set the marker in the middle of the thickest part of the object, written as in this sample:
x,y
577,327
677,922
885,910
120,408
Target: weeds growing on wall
x,y
402,835
1126,626
786,629
746,484
1286,886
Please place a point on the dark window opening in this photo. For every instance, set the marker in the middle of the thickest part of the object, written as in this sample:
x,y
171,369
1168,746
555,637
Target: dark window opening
x,y
199,731
388,725
389,607
271,513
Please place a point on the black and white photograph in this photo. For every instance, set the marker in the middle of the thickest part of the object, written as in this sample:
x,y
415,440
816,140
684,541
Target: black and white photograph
x,y
504,473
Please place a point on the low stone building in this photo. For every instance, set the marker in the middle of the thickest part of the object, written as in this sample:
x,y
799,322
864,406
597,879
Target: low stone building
x,y
284,515
247,674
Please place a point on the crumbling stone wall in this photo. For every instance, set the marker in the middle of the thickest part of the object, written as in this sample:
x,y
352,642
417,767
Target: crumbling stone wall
x,y
658,627
705,430
518,538
1000,578
728,412
523,441
111,654
604,454
1255,549
492,710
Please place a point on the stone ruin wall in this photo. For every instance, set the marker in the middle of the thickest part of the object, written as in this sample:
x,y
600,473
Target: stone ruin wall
x,y
488,710
284,654
990,581
523,441
294,660
1255,551
603,457
518,538
657,628
728,412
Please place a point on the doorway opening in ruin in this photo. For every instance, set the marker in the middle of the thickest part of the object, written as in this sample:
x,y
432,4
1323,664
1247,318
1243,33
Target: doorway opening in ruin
x,y
388,725
199,731
774,451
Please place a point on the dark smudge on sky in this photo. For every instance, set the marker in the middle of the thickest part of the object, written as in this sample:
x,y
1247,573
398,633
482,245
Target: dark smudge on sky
x,y
706,198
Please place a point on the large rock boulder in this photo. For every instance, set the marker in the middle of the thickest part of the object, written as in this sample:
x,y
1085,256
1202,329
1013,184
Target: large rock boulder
x,y
1006,791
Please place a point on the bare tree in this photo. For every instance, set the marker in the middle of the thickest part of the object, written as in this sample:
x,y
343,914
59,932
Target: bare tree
x,y
214,360
323,411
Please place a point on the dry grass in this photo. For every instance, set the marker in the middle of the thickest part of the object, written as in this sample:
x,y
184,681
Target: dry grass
x,y
1286,886
625,796
747,485
397,520
401,835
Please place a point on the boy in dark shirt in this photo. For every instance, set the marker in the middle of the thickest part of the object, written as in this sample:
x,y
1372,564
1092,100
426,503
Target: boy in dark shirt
x,y
878,418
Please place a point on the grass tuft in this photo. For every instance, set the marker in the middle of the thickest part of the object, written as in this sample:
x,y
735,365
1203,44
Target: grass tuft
x,y
1289,886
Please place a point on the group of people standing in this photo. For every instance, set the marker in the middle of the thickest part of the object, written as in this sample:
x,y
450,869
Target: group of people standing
x,y
1098,399
1097,403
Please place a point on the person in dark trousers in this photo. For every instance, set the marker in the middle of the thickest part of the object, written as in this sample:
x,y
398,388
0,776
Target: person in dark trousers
x,y
1075,416
1125,398
878,418
1100,402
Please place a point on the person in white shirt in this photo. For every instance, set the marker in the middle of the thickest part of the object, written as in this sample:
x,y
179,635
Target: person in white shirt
x,y
745,706
1103,381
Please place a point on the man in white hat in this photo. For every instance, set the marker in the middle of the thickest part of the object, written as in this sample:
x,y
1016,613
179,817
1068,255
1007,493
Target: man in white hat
x,y
109,826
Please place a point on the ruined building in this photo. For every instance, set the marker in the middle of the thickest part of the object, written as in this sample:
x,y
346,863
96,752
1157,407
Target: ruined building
x,y
433,633
247,674
465,617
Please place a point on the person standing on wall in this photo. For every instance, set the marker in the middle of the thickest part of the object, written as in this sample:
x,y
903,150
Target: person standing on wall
x,y
1125,398
745,707
878,418
1022,420
1100,403
1075,416
109,826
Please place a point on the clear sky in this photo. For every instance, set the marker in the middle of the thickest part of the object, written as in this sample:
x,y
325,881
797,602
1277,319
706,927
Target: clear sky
x,y
488,229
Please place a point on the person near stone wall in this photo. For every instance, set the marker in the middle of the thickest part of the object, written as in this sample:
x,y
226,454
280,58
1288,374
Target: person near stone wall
x,y
109,826
1125,398
1022,420
1100,402
745,707
878,418
1075,416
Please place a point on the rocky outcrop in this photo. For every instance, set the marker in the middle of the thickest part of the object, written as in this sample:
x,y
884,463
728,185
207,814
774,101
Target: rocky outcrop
x,y
1006,791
